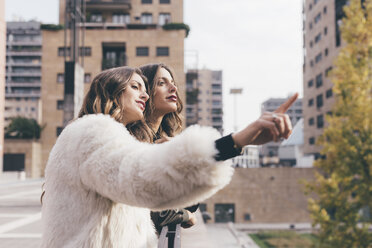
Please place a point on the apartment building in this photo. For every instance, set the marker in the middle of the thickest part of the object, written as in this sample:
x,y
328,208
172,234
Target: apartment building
x,y
269,151
117,33
23,70
322,43
2,78
204,105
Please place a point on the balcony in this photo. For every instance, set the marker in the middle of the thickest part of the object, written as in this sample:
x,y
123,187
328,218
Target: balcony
x,y
23,53
28,94
108,5
24,84
24,74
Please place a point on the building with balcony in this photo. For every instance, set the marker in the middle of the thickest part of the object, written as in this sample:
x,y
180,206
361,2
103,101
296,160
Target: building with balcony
x,y
269,152
204,105
2,77
322,43
117,33
23,70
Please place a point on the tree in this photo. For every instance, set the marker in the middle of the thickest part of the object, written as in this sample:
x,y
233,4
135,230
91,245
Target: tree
x,y
343,184
23,128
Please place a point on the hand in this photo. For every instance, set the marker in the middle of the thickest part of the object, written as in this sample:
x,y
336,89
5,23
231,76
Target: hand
x,y
269,127
192,221
162,140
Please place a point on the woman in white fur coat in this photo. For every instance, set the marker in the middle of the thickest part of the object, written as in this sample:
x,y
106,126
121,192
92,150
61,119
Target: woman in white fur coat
x,y
101,181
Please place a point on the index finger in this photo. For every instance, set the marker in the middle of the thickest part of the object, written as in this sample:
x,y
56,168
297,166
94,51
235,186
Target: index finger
x,y
285,106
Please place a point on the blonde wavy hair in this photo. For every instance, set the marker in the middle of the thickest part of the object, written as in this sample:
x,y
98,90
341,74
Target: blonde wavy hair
x,y
104,97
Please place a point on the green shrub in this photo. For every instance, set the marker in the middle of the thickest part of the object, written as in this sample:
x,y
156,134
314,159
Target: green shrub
x,y
23,128
177,26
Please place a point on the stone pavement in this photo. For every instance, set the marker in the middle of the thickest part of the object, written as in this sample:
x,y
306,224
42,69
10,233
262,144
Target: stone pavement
x,y
20,214
20,221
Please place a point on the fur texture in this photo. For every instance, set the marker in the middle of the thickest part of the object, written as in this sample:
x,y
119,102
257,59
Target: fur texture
x,y
101,182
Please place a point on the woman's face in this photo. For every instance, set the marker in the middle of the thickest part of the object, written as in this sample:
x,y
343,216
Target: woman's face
x,y
134,99
165,98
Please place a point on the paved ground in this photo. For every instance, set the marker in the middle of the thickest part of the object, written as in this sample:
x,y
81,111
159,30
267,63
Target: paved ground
x,y
20,214
20,221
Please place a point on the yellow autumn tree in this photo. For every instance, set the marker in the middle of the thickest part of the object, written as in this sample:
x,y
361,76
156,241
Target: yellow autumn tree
x,y
343,186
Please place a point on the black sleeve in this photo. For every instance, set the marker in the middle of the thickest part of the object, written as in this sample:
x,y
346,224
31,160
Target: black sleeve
x,y
226,149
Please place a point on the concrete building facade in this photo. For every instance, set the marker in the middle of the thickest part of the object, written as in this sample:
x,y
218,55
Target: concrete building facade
x,y
204,104
269,152
322,43
249,158
2,78
117,33
23,70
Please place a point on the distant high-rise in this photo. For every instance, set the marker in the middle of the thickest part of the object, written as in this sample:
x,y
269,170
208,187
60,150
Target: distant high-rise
x,y
204,98
2,78
23,70
269,151
322,43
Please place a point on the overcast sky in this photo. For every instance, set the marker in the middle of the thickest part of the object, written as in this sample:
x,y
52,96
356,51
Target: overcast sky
x,y
256,43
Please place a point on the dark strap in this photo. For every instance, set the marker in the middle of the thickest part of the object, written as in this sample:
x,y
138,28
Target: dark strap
x,y
171,235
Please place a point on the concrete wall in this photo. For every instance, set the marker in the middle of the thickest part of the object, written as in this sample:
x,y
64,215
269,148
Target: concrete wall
x,y
268,195
32,151
2,78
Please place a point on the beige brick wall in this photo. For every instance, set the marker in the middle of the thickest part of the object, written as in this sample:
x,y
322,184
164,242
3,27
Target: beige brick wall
x,y
2,78
32,151
52,65
269,195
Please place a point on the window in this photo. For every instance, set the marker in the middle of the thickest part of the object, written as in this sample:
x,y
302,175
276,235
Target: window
x,y
311,63
298,111
60,104
218,93
216,119
319,80
311,44
319,101
18,109
317,18
121,18
310,6
60,78
326,52
310,102
164,18
325,10
327,71
146,18
247,217
318,38
310,25
311,121
318,58
162,51
142,51
146,1
59,130
216,103
312,141
33,109
87,78
62,51
319,121
85,51
96,17
329,93
164,1
310,83
325,31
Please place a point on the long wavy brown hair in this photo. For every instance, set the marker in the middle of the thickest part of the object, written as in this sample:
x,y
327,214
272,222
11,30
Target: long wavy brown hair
x,y
104,97
172,122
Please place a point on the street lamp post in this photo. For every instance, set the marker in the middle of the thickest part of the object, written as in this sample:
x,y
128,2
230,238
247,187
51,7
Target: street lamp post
x,y
235,92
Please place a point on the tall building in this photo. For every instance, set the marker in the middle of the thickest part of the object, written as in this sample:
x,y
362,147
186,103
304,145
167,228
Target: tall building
x,y
269,151
117,33
322,43
204,103
2,78
23,70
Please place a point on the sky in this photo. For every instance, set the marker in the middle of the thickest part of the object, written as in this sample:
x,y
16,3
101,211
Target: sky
x,y
256,43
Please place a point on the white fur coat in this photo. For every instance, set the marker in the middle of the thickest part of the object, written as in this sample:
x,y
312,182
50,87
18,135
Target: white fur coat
x,y
101,183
